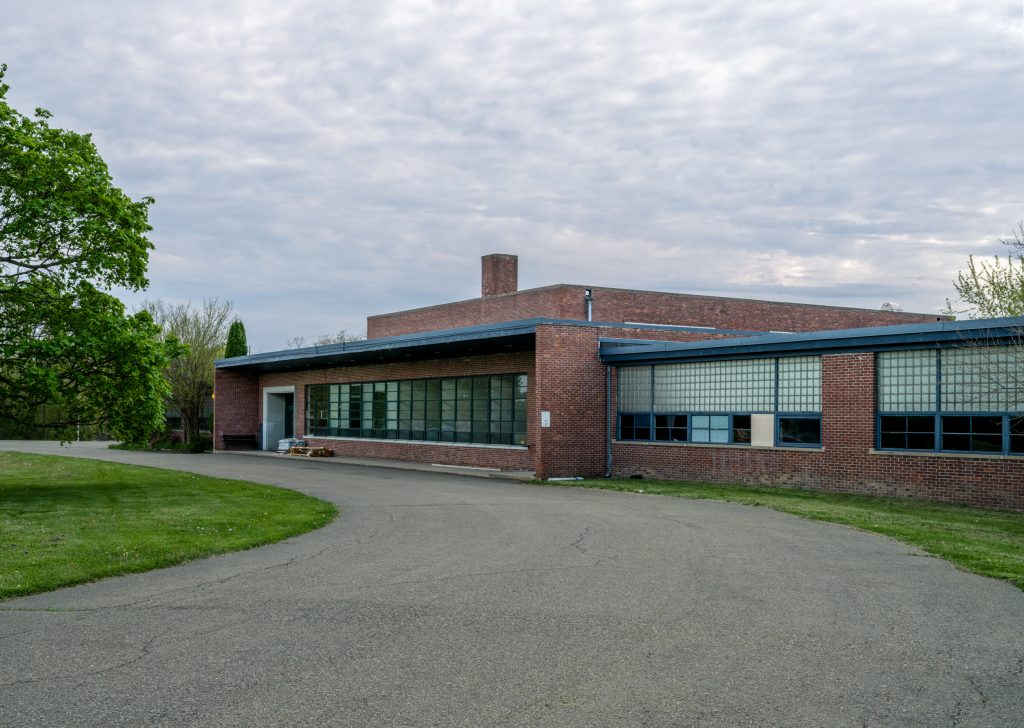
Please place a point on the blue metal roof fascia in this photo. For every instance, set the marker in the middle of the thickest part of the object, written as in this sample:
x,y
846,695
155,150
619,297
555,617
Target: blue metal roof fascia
x,y
938,334
441,336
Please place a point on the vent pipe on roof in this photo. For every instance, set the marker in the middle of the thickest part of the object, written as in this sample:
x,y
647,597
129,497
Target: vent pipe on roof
x,y
588,296
499,274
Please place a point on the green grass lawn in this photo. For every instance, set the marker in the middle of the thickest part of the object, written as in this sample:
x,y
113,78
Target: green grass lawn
x,y
66,521
987,542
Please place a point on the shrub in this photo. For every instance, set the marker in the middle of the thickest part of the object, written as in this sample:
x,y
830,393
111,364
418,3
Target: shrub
x,y
202,443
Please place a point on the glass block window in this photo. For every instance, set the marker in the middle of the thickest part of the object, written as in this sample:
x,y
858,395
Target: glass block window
x,y
743,385
983,379
800,384
978,407
712,402
483,410
906,381
634,389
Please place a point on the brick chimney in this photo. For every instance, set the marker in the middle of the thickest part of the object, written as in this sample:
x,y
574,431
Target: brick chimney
x,y
499,274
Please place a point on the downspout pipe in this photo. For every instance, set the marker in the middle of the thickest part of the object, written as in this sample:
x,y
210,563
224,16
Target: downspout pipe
x,y
608,420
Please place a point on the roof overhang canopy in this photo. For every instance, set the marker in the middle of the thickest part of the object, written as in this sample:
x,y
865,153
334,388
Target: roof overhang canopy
x,y
492,338
469,341
880,338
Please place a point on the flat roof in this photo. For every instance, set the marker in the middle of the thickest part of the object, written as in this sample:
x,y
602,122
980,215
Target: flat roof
x,y
876,338
679,294
492,338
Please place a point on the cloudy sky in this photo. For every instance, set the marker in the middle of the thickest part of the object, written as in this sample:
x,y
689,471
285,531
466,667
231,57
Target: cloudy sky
x,y
315,162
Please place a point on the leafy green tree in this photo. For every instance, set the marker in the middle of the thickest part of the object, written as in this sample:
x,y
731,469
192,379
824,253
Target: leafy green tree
x,y
67,235
991,288
203,331
237,345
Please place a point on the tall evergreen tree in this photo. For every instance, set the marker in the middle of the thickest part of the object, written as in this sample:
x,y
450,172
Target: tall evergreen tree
x,y
237,345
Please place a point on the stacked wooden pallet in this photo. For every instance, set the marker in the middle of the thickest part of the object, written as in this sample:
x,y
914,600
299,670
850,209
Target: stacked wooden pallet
x,y
312,452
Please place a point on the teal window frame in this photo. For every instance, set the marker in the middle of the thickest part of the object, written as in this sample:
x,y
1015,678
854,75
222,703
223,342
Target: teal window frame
x,y
482,410
1006,438
789,389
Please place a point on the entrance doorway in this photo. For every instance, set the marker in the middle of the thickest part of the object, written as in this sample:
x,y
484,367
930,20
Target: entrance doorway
x,y
278,415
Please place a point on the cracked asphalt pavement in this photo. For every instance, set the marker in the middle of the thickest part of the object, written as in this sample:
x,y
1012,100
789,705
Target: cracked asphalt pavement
x,y
445,600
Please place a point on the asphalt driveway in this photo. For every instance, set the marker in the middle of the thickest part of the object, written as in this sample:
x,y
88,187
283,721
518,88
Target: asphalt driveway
x,y
442,600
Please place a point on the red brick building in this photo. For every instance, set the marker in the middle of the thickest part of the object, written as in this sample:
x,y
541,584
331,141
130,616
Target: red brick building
x,y
569,380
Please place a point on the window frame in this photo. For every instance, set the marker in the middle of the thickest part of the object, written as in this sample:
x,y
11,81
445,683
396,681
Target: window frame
x,y
937,414
790,387
653,428
808,416
450,409
924,415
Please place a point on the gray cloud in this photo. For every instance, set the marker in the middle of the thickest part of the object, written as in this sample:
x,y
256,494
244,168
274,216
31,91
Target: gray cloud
x,y
317,162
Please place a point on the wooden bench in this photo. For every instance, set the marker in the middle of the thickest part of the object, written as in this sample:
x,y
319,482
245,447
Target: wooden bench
x,y
242,442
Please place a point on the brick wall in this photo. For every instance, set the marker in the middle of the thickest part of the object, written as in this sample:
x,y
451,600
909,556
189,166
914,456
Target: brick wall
x,y
550,302
236,404
615,304
571,384
565,377
490,457
846,463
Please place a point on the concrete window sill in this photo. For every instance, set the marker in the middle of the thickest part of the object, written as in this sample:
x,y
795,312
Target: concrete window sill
x,y
961,455
717,446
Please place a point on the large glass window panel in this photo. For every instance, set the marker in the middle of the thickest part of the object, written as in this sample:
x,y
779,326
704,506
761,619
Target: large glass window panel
x,y
795,431
670,428
634,427
972,433
714,429
907,432
464,409
366,423
1017,434
741,429
316,401
355,409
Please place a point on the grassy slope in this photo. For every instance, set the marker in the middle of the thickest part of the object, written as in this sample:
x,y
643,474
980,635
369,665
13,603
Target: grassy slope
x,y
987,542
65,521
